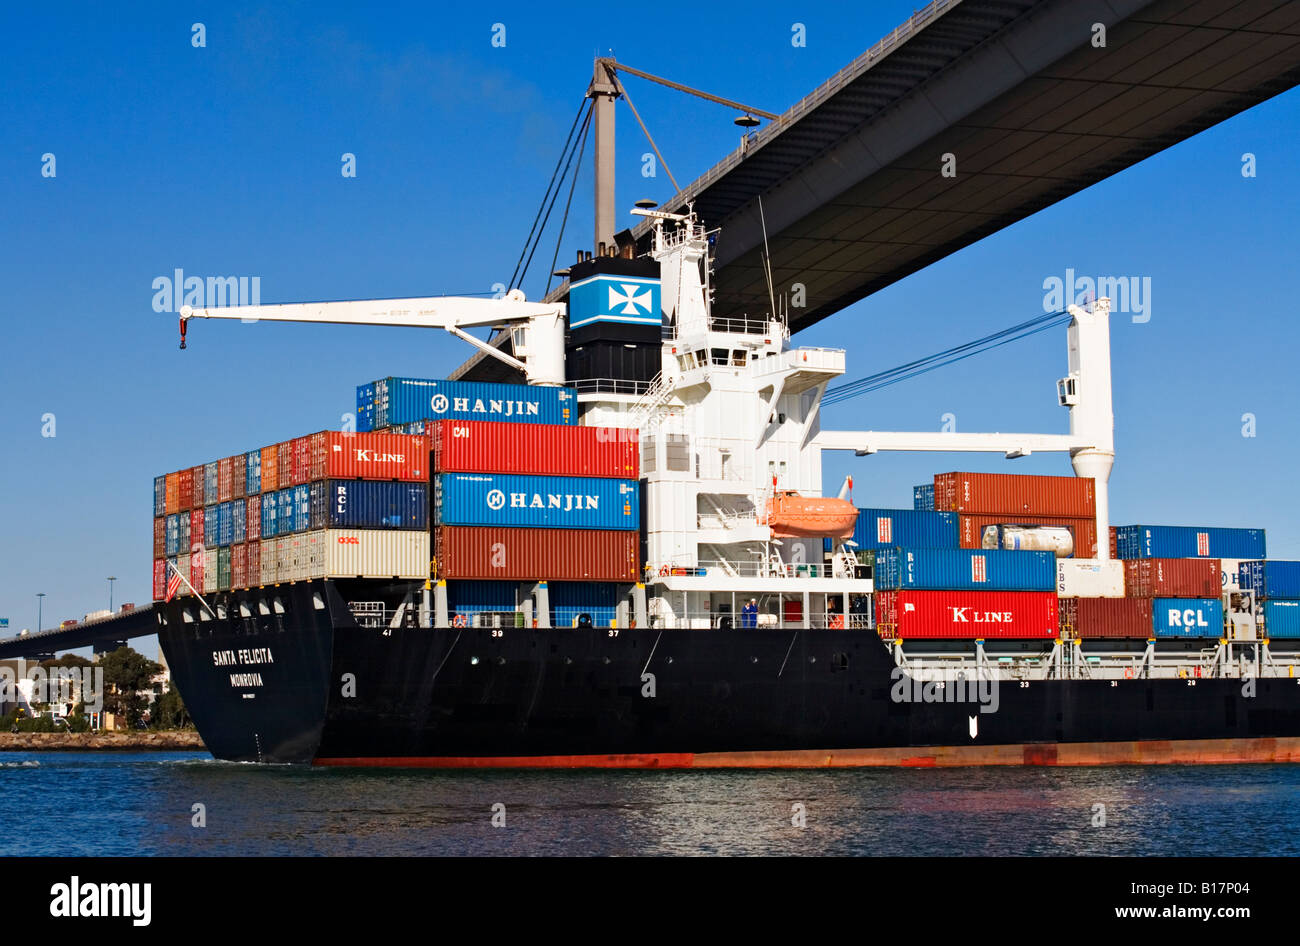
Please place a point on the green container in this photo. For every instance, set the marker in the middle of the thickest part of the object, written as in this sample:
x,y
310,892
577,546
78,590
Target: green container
x,y
223,569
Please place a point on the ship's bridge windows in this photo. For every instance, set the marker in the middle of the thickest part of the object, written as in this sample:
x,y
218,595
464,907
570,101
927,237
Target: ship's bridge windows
x,y
701,358
317,601
262,609
719,355
277,605
244,610
221,612
738,357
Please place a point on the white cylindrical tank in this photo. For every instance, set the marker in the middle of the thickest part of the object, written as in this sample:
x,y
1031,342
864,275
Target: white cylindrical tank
x,y
1055,539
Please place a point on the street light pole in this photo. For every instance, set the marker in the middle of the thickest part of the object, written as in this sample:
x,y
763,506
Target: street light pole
x,y
40,605
111,579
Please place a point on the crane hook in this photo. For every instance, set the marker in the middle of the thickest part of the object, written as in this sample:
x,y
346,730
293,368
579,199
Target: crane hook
x,y
183,320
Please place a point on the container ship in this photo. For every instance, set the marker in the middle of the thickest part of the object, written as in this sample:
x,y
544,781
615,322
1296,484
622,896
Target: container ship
x,y
637,568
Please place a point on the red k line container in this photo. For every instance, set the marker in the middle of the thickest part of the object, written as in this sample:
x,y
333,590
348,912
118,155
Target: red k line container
x,y
184,490
270,469
1173,578
159,536
971,530
999,494
966,615
370,456
225,479
1106,617
239,475
489,552
471,446
300,448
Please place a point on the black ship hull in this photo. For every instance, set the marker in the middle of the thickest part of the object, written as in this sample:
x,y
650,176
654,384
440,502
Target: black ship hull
x,y
291,677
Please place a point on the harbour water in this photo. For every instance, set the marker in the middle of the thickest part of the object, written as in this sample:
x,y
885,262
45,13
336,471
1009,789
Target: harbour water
x,y
71,803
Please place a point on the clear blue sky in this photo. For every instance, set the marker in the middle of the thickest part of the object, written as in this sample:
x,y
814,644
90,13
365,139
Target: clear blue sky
x,y
226,160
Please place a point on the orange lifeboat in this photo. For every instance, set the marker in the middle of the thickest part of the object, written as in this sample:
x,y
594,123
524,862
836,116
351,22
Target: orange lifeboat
x,y
792,516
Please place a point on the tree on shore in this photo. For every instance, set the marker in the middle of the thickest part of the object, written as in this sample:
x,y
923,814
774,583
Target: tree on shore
x,y
126,673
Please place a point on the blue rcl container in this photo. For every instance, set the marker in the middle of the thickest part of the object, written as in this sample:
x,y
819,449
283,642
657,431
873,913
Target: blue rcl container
x,y
905,528
1268,580
540,502
369,504
964,570
1188,542
1187,617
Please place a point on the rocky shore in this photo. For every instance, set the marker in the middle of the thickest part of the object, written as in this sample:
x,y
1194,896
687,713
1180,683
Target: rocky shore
x,y
99,741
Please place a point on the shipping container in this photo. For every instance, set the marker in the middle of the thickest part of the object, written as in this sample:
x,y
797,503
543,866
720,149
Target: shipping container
x,y
223,569
299,460
253,516
238,566
391,401
1172,577
369,456
252,472
238,522
270,513
908,528
211,527
1114,542
159,536
239,476
1119,618
1188,542
226,524
461,446
225,479
367,553
184,544
289,560
974,531
160,495
547,502
198,497
369,504
159,579
171,536
489,552
209,557
254,563
964,569
1002,615
284,463
571,600
210,484
267,560
999,494
1187,617
1089,578
185,565
1281,619
301,508
1275,579
171,493
469,599
1230,575
269,469
185,490
284,518
197,515
923,497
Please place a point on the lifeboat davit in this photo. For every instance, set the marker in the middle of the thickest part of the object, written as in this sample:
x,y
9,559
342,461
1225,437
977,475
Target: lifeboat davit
x,y
792,516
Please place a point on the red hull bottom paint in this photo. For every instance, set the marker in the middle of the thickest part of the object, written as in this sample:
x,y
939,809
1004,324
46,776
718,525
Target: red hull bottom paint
x,y
1177,752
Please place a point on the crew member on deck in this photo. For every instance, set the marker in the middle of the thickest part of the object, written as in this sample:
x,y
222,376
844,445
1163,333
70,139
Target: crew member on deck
x,y
749,614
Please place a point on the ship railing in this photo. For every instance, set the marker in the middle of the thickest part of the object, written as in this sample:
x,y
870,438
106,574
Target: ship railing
x,y
764,620
751,569
611,386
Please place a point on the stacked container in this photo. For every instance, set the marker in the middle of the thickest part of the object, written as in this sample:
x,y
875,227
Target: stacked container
x,y
392,401
1012,511
1273,598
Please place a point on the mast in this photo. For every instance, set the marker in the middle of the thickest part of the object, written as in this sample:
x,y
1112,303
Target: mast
x,y
603,92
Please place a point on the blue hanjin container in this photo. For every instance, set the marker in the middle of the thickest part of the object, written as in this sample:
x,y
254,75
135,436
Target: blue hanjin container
x,y
172,534
1274,579
253,472
964,570
370,504
1281,618
238,521
905,528
923,497
569,599
1188,542
270,516
542,502
1187,617
390,402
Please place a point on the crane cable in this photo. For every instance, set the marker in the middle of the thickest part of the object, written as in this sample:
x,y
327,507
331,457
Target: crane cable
x,y
911,369
516,278
577,150
564,221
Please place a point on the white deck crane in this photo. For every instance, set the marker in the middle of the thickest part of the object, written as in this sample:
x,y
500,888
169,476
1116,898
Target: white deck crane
x,y
538,327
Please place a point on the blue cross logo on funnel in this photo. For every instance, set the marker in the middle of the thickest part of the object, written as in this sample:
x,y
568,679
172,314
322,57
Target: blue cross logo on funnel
x,y
630,299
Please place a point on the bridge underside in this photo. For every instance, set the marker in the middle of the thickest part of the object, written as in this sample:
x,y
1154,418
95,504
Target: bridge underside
x,y
1032,112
